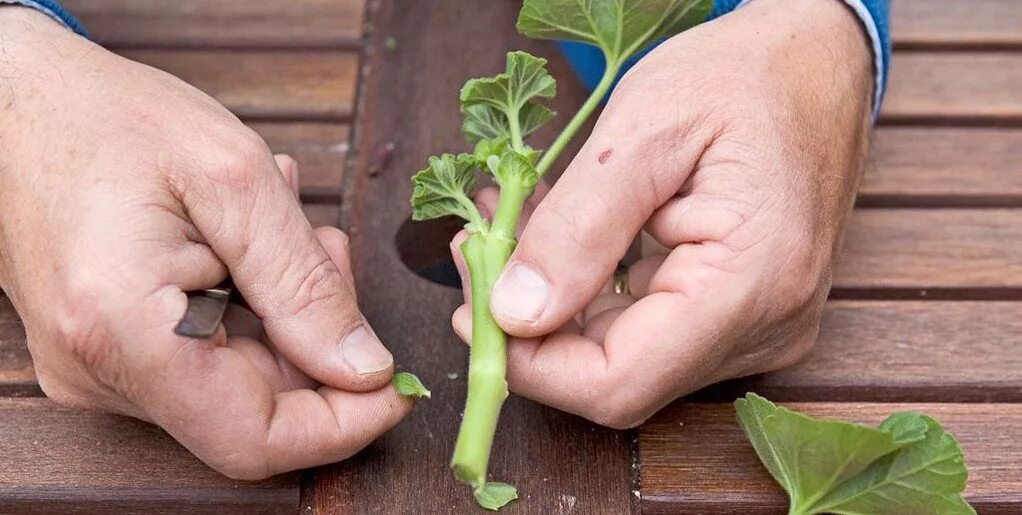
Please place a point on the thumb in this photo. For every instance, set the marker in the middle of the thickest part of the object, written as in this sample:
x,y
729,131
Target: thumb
x,y
585,225
253,222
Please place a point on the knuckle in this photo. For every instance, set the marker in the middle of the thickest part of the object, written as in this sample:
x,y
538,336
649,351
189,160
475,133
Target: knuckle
x,y
236,168
315,285
803,281
620,407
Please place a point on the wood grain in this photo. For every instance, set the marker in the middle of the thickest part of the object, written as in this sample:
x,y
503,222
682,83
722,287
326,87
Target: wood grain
x,y
265,84
902,351
195,23
944,166
920,249
54,459
557,461
321,150
956,23
695,458
974,87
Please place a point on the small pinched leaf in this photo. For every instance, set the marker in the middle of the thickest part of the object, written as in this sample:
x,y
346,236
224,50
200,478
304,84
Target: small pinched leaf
x,y
518,169
619,27
444,187
494,495
487,148
409,385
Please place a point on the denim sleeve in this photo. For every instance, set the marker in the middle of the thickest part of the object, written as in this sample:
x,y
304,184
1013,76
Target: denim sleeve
x,y
588,63
54,10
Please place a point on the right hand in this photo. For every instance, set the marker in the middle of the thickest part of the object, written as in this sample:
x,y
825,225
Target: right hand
x,y
122,187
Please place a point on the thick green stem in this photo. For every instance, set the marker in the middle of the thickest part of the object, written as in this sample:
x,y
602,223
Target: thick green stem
x,y
580,118
487,386
486,255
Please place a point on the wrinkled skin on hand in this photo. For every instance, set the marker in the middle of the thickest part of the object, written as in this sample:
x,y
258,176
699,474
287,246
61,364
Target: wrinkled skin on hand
x,y
738,146
121,188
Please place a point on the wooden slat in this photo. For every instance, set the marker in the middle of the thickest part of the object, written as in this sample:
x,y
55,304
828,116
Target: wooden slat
x,y
321,150
409,99
266,84
957,23
694,457
944,166
917,249
959,86
278,23
54,459
900,351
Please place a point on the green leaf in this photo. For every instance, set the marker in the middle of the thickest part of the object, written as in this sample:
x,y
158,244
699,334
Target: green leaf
x,y
619,27
408,384
443,189
824,464
926,477
487,148
494,495
488,105
517,168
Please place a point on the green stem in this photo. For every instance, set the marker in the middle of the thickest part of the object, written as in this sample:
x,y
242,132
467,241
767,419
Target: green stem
x,y
487,366
580,118
486,255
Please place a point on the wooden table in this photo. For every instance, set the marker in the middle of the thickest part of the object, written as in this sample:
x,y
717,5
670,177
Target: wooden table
x,y
926,312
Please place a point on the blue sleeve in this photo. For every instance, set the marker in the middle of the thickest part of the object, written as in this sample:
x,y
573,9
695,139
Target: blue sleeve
x,y
54,10
588,63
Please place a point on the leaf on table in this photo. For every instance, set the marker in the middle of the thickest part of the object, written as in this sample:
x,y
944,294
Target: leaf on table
x,y
926,477
835,466
619,27
409,385
443,188
488,104
494,495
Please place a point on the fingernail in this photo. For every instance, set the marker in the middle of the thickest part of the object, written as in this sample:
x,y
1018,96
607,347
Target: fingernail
x,y
521,293
364,352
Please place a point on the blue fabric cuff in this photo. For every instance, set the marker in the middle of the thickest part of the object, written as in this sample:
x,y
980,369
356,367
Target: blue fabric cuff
x,y
54,10
588,63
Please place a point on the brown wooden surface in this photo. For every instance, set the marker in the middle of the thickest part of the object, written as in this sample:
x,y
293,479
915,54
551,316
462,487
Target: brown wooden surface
x,y
320,148
62,460
921,249
933,351
274,84
695,458
944,166
947,179
957,23
975,87
194,23
556,460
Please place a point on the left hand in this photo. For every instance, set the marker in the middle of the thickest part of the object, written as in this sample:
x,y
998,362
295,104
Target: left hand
x,y
738,145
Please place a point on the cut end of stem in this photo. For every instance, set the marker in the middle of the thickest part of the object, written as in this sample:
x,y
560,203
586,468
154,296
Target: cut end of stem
x,y
469,475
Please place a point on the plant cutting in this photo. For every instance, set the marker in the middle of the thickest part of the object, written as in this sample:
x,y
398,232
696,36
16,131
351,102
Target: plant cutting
x,y
499,113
